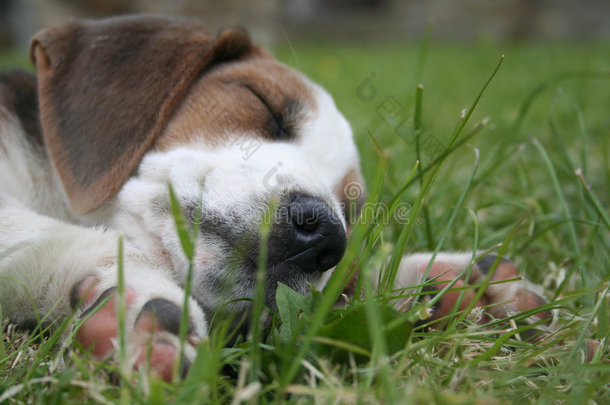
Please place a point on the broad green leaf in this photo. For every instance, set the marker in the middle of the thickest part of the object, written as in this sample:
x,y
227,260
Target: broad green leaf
x,y
351,327
291,306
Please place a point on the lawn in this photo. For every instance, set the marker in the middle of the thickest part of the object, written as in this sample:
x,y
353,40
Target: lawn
x,y
524,172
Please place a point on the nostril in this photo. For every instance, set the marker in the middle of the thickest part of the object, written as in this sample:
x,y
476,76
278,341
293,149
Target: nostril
x,y
305,213
305,225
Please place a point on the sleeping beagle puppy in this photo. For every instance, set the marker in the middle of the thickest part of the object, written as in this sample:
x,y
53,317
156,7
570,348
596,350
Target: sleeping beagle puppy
x,y
119,109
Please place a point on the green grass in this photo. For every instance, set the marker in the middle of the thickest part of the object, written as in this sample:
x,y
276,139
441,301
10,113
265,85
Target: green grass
x,y
533,182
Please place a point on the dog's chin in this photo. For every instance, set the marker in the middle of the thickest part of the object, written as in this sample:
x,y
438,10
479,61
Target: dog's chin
x,y
292,276
236,307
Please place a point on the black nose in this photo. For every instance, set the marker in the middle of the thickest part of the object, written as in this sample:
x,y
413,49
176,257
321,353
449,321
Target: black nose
x,y
309,234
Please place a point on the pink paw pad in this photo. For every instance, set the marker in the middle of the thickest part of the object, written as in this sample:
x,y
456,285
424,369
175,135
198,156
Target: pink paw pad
x,y
100,328
501,300
153,339
443,273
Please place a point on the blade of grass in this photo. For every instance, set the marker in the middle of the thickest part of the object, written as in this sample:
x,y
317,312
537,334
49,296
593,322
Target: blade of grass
x,y
369,216
258,304
121,311
187,243
583,133
347,346
466,116
186,239
461,123
586,326
571,365
454,212
466,273
417,128
529,100
379,356
387,279
566,213
593,198
399,248
443,155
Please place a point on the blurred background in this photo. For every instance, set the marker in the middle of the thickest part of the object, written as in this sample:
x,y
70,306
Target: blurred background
x,y
271,21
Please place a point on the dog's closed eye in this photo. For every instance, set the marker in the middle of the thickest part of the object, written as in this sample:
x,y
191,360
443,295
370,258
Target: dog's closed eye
x,y
281,123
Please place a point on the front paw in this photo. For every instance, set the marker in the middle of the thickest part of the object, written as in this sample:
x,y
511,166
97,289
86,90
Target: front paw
x,y
152,325
506,294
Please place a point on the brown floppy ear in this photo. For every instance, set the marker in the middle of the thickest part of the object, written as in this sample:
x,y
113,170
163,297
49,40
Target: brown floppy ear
x,y
107,89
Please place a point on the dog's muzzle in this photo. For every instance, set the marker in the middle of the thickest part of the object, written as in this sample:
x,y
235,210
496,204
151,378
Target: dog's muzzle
x,y
308,235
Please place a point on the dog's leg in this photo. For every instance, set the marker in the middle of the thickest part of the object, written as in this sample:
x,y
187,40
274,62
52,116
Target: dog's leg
x,y
505,295
50,270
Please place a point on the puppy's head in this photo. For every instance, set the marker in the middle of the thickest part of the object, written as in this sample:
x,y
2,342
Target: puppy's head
x,y
129,106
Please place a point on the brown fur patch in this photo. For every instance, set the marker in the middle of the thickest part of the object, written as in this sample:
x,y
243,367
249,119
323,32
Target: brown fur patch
x,y
255,97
